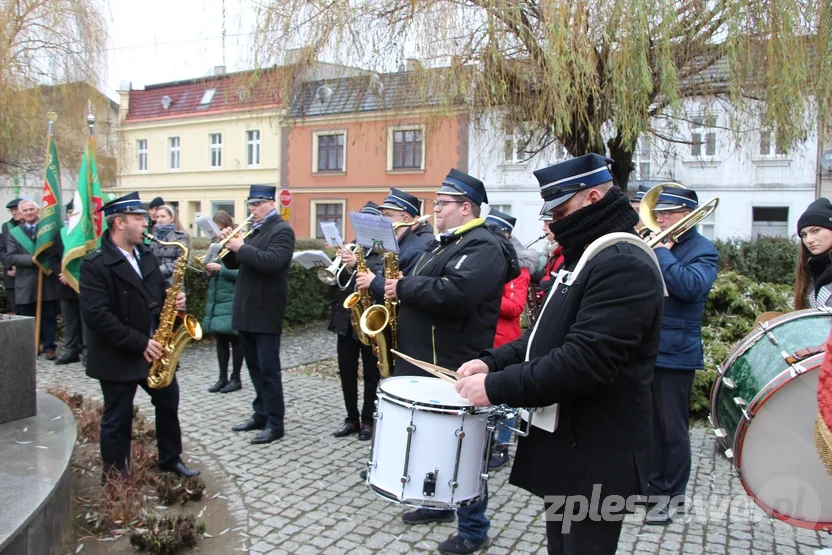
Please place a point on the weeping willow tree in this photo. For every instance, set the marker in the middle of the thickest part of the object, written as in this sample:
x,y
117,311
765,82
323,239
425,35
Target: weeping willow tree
x,y
51,55
591,75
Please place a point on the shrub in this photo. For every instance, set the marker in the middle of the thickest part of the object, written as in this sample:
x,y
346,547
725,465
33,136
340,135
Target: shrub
x,y
763,259
733,305
167,535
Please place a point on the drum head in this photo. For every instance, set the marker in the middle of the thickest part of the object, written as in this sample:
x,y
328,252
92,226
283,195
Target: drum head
x,y
776,456
424,391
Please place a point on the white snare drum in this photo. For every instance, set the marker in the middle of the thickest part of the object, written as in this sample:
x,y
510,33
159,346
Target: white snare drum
x,y
430,445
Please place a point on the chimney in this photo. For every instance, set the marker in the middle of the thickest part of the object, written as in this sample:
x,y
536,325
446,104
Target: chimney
x,y
414,65
219,70
124,89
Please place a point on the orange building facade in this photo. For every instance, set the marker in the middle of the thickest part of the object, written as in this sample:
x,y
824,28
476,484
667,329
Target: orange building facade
x,y
338,154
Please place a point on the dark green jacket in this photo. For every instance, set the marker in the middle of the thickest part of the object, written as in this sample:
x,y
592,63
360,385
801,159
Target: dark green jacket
x,y
220,303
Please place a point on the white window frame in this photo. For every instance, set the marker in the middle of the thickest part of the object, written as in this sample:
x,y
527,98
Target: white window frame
x,y
141,155
704,132
253,148
643,157
512,138
174,153
315,137
212,148
391,130
313,220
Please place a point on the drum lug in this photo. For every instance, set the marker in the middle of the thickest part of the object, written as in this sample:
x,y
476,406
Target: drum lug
x,y
740,402
729,454
429,485
796,370
771,338
410,429
729,383
720,433
719,369
460,434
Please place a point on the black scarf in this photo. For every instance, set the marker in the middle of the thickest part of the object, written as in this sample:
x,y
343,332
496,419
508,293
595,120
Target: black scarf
x,y
821,268
580,228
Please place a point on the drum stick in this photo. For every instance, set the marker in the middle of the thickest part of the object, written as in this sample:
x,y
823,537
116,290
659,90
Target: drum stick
x,y
437,371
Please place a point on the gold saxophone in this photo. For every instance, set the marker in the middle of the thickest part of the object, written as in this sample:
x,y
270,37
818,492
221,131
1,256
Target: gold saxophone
x,y
379,322
359,301
173,342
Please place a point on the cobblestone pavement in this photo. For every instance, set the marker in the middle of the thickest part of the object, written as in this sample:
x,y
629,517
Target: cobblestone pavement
x,y
303,494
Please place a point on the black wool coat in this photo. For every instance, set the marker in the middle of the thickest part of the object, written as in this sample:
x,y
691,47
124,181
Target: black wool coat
x,y
263,281
593,352
119,308
450,303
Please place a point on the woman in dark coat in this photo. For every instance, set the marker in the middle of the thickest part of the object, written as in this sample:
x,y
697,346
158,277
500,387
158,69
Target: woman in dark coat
x,y
218,309
813,282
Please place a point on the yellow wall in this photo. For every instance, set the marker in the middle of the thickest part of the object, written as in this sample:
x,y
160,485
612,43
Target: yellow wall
x,y
196,181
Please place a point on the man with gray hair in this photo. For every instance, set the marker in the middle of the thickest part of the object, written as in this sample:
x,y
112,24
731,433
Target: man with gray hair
x,y
20,253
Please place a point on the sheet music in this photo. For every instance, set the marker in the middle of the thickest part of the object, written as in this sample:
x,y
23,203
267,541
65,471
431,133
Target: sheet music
x,y
370,230
312,259
208,227
331,234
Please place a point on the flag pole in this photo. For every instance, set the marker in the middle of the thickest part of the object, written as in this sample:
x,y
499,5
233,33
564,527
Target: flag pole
x,y
52,117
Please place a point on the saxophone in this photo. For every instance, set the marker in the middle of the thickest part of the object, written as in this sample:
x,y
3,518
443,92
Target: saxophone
x,y
379,322
359,301
173,342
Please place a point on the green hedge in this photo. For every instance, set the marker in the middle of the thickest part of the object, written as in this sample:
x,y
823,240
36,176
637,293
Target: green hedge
x,y
764,259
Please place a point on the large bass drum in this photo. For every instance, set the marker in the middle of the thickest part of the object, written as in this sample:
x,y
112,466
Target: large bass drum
x,y
763,411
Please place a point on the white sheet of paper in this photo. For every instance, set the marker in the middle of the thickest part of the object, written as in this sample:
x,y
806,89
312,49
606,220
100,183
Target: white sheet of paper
x,y
331,234
370,229
312,259
208,227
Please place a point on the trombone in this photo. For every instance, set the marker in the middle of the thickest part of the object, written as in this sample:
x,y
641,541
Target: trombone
x,y
674,232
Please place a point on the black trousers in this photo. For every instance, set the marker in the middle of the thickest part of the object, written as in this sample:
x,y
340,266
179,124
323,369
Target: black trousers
x,y
583,537
670,463
262,352
71,312
48,320
226,344
117,423
349,350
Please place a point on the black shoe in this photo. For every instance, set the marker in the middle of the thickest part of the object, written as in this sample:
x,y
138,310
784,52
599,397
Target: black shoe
x,y
248,425
426,516
217,386
458,545
68,358
233,385
346,429
179,468
268,435
366,433
663,514
363,475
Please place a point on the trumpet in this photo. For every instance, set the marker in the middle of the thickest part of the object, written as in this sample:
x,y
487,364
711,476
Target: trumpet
x,y
331,274
674,232
224,251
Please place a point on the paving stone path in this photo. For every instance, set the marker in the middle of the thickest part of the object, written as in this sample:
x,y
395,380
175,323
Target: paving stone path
x,y
303,494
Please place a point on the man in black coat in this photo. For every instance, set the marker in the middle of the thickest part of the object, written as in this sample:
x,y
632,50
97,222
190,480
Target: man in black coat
x,y
350,349
122,295
8,271
591,352
264,260
70,309
448,310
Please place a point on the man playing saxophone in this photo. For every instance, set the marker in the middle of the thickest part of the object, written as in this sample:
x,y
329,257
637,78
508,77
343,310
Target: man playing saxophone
x,y
264,259
121,297
344,323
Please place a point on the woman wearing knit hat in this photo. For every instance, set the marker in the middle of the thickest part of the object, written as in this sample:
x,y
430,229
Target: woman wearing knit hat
x,y
813,282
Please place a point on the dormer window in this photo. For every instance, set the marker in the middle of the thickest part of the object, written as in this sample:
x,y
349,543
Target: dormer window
x,y
207,96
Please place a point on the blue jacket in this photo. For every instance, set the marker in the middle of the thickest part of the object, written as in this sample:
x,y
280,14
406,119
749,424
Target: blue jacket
x,y
689,270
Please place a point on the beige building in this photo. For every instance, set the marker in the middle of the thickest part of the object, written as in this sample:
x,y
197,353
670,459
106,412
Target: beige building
x,y
200,144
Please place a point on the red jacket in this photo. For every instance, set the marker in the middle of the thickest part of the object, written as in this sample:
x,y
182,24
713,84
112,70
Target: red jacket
x,y
514,301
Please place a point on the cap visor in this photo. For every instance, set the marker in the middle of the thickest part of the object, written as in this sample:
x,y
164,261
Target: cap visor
x,y
391,206
667,207
448,190
550,205
136,211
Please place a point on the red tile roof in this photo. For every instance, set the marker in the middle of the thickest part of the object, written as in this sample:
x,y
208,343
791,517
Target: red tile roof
x,y
233,92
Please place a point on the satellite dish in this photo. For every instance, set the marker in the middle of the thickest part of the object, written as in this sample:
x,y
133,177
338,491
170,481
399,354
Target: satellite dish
x,y
826,160
166,102
323,94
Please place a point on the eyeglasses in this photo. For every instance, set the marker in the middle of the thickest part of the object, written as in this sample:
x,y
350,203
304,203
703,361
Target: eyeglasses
x,y
441,203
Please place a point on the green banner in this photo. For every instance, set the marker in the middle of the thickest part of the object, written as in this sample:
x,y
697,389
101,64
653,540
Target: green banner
x,y
49,218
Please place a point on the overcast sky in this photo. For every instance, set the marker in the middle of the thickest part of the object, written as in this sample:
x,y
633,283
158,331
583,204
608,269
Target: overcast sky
x,y
156,41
